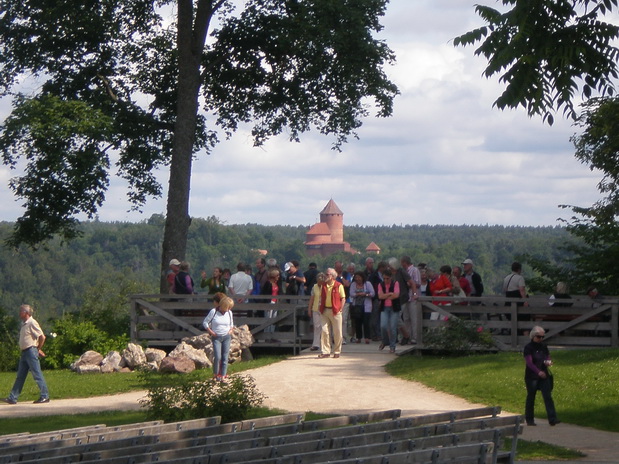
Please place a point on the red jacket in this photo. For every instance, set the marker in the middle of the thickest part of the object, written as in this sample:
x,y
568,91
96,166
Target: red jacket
x,y
336,300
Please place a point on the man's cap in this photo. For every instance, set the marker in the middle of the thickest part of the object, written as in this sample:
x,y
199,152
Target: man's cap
x,y
287,266
467,261
175,262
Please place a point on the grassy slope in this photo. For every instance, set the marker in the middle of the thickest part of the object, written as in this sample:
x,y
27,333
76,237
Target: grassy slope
x,y
585,382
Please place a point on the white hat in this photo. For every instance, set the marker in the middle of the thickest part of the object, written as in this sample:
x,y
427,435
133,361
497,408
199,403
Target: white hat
x,y
467,261
175,262
287,266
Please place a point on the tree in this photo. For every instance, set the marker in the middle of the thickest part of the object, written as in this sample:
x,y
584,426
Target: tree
x,y
278,64
543,48
598,148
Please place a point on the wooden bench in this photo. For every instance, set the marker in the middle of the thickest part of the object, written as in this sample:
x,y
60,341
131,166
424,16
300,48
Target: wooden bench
x,y
474,435
116,441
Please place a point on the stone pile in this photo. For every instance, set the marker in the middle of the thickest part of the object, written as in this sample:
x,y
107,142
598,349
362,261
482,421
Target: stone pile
x,y
190,354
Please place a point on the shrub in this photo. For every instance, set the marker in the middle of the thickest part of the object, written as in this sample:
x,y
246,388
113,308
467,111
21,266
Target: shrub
x,y
458,337
9,349
188,399
71,338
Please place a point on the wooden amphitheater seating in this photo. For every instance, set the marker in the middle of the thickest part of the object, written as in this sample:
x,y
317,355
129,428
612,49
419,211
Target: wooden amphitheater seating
x,y
474,435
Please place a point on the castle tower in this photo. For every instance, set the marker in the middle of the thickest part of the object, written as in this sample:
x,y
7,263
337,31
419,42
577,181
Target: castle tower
x,y
327,236
334,218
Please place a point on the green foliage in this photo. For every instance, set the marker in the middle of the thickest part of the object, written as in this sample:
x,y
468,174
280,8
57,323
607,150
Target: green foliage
x,y
106,304
542,49
66,172
190,399
70,338
457,337
303,42
592,259
56,280
9,349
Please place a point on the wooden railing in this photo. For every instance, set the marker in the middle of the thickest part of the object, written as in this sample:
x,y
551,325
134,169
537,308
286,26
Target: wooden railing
x,y
584,323
162,320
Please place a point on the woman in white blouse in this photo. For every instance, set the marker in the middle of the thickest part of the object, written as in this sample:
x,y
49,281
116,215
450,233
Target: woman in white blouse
x,y
219,324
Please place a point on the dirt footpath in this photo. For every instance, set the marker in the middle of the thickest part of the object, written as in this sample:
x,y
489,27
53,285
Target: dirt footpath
x,y
353,383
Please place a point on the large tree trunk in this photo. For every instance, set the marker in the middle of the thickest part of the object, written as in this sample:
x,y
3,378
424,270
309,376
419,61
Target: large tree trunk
x,y
190,42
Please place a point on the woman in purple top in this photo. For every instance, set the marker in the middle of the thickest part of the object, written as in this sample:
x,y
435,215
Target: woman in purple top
x,y
183,283
538,377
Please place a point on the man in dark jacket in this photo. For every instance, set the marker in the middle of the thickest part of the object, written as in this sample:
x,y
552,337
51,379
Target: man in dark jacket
x,y
477,287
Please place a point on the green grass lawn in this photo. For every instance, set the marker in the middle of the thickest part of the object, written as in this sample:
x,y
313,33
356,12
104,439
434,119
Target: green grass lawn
x,y
64,384
585,391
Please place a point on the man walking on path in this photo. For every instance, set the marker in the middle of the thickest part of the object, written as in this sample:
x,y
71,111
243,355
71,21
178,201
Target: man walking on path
x,y
31,340
332,300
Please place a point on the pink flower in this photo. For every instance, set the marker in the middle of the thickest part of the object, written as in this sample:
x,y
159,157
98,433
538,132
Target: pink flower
x,y
480,329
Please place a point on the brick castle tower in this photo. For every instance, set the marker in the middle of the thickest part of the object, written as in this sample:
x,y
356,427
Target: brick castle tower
x,y
327,236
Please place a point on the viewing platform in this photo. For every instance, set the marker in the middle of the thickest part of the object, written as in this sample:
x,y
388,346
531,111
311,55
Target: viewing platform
x,y
163,320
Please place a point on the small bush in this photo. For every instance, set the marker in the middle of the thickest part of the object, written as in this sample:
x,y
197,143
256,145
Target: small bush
x,y
188,399
458,337
71,338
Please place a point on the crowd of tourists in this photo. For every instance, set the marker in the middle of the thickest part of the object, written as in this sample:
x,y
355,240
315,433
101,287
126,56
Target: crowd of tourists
x,y
378,302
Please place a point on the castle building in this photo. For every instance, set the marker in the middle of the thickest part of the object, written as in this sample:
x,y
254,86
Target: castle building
x,y
327,236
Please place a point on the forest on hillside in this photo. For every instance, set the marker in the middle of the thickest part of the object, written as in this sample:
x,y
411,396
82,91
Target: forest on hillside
x,y
110,260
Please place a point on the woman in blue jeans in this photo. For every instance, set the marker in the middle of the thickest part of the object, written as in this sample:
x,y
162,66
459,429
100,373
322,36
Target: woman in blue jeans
x,y
389,297
219,324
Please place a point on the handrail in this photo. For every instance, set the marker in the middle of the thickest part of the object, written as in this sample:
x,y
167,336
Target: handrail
x,y
586,322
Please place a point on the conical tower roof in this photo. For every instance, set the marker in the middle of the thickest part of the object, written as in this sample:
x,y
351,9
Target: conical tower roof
x,y
372,247
331,208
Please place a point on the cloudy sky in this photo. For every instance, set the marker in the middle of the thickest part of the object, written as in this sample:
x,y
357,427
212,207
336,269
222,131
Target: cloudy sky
x,y
446,156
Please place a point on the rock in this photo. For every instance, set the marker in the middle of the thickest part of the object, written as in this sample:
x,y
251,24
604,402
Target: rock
x,y
243,334
181,364
199,342
196,355
152,366
242,339
88,369
133,356
154,356
88,358
111,362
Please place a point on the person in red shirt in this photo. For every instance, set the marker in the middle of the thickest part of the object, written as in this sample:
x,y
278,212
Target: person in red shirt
x,y
464,283
442,285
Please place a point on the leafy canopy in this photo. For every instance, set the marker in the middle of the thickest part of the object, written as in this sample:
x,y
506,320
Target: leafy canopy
x,y
123,88
542,49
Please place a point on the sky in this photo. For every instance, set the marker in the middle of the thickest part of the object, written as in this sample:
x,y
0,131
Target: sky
x,y
446,156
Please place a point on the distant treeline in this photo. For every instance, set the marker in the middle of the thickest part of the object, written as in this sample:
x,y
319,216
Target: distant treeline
x,y
109,257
